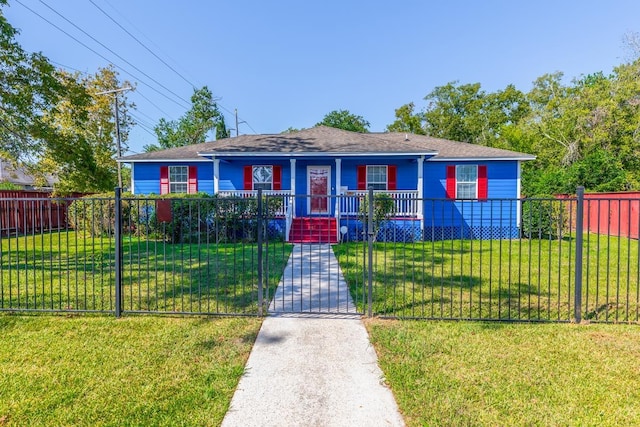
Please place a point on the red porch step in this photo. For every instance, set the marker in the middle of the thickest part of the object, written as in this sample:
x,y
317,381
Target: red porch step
x,y
313,230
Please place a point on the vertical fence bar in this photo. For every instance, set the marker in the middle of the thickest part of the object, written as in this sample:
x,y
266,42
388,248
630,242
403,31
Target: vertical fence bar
x,y
370,236
579,243
118,252
260,266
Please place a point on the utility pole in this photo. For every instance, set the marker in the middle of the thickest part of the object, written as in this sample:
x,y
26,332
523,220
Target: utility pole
x,y
236,110
115,93
237,122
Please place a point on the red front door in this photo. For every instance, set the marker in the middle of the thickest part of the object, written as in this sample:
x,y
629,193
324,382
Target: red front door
x,y
319,178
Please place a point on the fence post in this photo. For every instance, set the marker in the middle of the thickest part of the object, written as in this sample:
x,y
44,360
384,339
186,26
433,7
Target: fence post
x,y
118,250
579,244
370,237
260,269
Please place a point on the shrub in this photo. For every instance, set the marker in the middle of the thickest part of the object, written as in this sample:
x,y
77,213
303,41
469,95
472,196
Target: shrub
x,y
544,216
384,207
189,216
94,214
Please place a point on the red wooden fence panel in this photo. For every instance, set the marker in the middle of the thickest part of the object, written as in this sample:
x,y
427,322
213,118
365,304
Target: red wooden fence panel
x,y
31,211
614,214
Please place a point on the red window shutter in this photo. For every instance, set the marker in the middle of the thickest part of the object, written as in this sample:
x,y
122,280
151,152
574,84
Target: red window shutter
x,y
164,179
392,177
451,182
248,177
192,188
362,177
483,184
277,177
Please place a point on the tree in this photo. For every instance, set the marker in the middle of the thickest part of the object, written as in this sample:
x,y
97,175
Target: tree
x,y
193,127
85,160
29,86
466,113
343,119
408,121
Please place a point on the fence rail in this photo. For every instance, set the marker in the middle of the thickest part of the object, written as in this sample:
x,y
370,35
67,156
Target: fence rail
x,y
507,260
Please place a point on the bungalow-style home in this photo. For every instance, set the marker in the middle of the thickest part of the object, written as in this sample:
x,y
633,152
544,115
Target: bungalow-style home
x,y
440,187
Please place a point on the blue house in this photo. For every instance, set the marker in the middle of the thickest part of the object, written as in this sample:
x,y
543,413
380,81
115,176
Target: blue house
x,y
443,189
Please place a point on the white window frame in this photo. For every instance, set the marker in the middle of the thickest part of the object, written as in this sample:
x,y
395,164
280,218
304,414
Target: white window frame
x,y
173,182
459,180
264,183
377,184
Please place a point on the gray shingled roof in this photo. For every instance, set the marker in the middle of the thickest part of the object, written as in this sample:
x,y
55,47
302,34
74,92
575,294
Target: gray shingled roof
x,y
322,139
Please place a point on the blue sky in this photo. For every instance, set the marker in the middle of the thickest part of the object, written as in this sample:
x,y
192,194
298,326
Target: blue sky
x,y
288,63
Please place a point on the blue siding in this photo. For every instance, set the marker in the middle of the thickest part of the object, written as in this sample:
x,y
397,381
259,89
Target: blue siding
x,y
464,219
147,176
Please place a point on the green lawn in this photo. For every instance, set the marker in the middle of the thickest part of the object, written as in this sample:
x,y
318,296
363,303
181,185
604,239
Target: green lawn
x,y
72,271
498,279
101,371
498,374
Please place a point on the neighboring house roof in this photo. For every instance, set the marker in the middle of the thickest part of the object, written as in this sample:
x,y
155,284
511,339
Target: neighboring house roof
x,y
322,140
10,172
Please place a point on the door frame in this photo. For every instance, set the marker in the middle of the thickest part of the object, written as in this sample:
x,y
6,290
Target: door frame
x,y
327,167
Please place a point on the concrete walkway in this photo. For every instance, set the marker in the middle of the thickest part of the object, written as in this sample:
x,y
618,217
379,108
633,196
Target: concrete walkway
x,y
316,368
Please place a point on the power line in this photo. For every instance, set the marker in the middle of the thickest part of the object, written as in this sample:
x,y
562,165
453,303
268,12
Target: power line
x,y
132,25
113,52
142,44
97,53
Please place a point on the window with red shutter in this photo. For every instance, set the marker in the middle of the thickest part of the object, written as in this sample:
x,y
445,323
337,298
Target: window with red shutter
x,y
467,182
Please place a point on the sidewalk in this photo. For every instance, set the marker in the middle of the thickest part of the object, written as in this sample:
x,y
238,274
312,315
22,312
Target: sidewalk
x,y
312,369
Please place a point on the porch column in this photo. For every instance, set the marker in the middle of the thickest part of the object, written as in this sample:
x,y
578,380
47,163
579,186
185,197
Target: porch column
x,y
216,176
293,186
338,185
420,207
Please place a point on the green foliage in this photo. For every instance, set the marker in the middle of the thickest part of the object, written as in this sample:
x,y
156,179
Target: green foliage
x,y
29,87
343,119
203,218
189,215
467,113
6,185
85,160
544,217
193,127
95,214
384,208
407,120
192,218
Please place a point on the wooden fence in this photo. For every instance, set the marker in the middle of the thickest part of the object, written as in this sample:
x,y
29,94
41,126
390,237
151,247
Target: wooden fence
x,y
26,211
613,214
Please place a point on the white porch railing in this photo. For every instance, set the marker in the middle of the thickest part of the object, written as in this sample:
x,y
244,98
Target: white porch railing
x,y
406,202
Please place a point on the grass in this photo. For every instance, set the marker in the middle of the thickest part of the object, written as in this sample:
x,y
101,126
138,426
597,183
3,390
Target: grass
x,y
100,371
70,271
479,374
498,279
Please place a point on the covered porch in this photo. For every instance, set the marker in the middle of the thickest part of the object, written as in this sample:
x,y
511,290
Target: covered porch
x,y
407,205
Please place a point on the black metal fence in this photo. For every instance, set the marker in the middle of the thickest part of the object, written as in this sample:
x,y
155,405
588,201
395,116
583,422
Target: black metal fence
x,y
505,260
